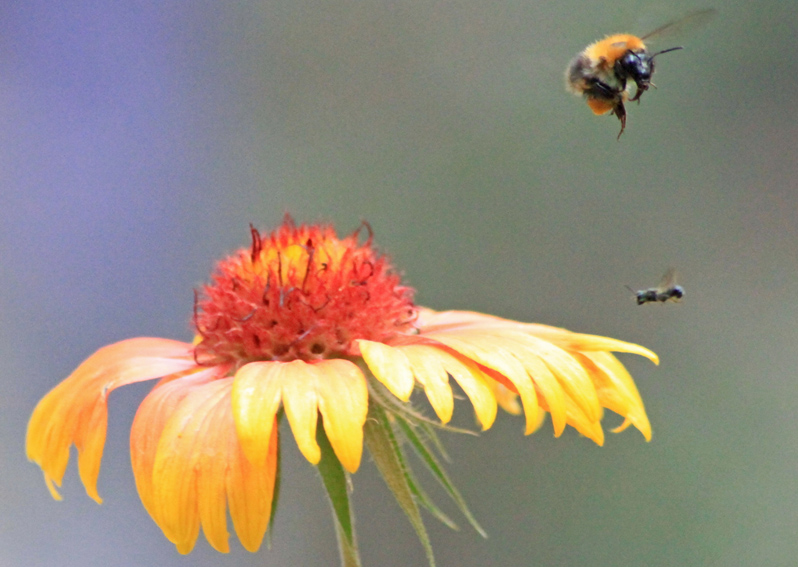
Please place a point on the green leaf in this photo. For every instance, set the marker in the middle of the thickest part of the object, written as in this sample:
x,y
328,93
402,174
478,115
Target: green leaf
x,y
387,400
335,482
387,454
427,503
438,472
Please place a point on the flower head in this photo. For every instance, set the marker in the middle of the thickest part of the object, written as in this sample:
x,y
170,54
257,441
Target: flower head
x,y
304,324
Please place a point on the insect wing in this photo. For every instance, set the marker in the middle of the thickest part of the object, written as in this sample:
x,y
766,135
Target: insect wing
x,y
668,281
685,25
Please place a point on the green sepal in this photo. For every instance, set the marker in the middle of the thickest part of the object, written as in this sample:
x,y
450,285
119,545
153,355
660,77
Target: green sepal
x,y
383,397
429,459
336,484
387,454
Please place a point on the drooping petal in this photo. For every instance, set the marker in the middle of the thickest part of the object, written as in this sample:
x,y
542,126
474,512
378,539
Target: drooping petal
x,y
151,417
432,365
577,419
428,369
575,374
552,396
336,388
300,396
199,466
75,411
256,399
569,373
617,391
343,403
494,353
250,491
389,366
587,343
430,321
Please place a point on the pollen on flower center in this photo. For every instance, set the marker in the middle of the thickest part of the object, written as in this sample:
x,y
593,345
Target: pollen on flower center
x,y
299,293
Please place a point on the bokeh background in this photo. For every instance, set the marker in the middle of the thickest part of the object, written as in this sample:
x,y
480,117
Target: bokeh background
x,y
139,139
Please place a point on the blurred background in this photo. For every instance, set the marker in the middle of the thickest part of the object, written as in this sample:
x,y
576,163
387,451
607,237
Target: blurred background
x,y
139,139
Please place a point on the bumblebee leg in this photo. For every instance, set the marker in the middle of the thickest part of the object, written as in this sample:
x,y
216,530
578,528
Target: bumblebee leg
x,y
598,89
641,88
620,112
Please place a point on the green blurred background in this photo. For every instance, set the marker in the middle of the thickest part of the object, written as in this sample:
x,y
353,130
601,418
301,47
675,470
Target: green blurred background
x,y
138,140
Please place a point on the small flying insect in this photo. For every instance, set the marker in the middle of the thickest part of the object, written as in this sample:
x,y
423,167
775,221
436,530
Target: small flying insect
x,y
603,71
667,290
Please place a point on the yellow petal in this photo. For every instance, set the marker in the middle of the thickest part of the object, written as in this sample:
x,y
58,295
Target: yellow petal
x,y
430,321
343,402
75,411
389,366
476,385
507,399
569,372
299,385
256,399
250,491
148,425
429,371
617,392
582,423
588,343
551,391
336,388
199,464
492,352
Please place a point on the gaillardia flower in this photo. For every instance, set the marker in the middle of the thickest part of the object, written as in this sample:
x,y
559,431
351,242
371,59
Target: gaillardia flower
x,y
304,325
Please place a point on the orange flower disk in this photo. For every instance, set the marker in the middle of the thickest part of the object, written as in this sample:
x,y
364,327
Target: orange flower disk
x,y
297,322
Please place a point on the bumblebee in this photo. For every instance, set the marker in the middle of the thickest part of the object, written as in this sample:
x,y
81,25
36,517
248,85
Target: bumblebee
x,y
603,71
667,290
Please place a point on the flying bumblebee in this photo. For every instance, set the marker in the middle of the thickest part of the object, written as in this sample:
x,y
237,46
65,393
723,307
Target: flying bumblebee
x,y
667,290
603,71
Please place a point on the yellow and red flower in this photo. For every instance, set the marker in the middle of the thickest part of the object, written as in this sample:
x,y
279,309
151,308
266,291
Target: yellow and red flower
x,y
307,324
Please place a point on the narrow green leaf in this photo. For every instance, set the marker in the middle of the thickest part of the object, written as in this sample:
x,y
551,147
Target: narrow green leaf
x,y
427,502
387,454
439,473
387,400
335,482
433,436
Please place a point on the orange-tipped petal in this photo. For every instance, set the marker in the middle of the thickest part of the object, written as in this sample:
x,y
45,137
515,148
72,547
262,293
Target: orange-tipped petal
x,y
250,491
256,399
390,366
568,371
491,351
75,411
617,391
343,403
475,384
582,423
551,391
151,417
429,371
506,398
199,464
588,343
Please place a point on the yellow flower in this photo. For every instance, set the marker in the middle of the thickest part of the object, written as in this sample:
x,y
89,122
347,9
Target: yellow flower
x,y
301,324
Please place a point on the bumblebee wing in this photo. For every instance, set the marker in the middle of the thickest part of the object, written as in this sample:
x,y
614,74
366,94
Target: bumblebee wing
x,y
668,280
690,22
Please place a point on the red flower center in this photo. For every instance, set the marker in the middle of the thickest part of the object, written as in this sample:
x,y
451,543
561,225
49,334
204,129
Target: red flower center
x,y
300,293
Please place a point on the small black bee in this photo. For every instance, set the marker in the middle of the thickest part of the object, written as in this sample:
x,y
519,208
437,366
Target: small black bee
x,y
667,290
